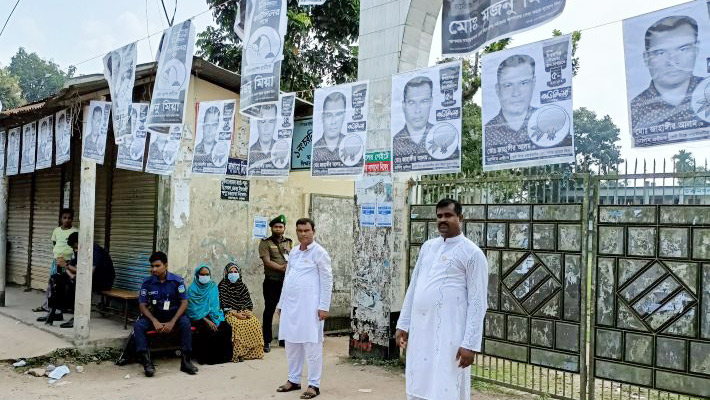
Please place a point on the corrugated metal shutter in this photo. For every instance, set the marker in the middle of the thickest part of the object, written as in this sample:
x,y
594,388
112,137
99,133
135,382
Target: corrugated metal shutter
x,y
45,217
18,227
133,202
101,205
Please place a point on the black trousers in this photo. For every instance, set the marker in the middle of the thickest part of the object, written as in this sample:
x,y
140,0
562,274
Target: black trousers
x,y
62,290
272,294
212,347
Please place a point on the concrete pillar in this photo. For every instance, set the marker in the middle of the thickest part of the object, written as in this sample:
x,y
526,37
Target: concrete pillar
x,y
395,36
163,218
3,238
82,301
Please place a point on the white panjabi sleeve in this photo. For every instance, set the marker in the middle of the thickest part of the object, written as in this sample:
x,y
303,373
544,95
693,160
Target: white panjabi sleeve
x,y
325,273
405,316
477,288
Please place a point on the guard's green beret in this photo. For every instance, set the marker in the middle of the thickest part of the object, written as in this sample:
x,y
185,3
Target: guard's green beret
x,y
281,219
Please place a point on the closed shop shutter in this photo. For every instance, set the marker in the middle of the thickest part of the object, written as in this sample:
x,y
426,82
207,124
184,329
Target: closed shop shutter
x,y
133,203
18,227
45,217
101,200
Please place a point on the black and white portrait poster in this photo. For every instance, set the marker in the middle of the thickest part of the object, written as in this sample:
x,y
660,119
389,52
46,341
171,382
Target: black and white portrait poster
x,y
13,150
167,105
213,136
302,3
29,148
45,143
426,120
340,130
468,25
527,105
265,27
131,151
3,140
163,151
96,117
270,138
240,16
120,72
667,69
62,136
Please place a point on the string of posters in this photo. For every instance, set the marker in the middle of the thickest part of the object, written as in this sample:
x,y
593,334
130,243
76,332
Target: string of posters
x,y
527,102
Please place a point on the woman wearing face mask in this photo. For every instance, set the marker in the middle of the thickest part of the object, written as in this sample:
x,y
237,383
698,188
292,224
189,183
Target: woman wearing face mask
x,y
247,339
211,343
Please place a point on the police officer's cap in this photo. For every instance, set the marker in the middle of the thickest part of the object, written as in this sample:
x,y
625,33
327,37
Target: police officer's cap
x,y
281,219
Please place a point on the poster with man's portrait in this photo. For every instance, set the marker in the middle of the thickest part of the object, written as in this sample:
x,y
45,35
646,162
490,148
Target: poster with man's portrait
x,y
131,151
167,105
426,120
3,140
120,72
527,105
62,136
29,148
340,130
44,143
96,117
213,136
667,75
270,138
13,150
163,152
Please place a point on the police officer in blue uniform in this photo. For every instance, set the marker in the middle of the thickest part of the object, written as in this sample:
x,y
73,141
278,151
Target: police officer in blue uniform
x,y
162,303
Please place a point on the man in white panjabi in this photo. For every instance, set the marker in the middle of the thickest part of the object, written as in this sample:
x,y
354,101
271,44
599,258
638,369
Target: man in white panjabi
x,y
441,322
303,307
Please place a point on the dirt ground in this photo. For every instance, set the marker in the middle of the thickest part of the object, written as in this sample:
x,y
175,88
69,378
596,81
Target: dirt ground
x,y
343,379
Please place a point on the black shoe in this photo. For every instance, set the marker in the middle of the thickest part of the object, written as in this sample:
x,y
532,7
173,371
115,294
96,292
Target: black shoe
x,y
39,309
267,347
187,366
282,343
51,317
148,367
68,324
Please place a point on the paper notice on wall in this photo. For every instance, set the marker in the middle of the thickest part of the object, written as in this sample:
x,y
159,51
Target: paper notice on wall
x,y
62,136
13,151
367,214
44,143
131,151
29,148
181,203
259,229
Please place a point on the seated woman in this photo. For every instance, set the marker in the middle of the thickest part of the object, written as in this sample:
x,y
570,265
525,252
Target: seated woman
x,y
211,343
247,339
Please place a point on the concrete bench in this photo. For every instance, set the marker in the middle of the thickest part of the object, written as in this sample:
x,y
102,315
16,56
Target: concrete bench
x,y
122,295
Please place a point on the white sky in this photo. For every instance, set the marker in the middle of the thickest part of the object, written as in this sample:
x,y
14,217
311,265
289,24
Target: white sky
x,y
69,32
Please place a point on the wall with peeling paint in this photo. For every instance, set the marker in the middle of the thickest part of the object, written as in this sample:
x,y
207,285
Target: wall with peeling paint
x,y
206,229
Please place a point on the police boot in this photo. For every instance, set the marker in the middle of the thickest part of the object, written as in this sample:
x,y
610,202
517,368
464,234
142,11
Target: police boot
x,y
148,366
186,365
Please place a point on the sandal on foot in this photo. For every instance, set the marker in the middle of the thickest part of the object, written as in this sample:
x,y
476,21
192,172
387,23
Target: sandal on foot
x,y
288,387
309,395
39,309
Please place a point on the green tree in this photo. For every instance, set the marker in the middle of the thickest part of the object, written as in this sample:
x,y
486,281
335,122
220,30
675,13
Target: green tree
x,y
683,161
319,46
10,91
38,78
595,141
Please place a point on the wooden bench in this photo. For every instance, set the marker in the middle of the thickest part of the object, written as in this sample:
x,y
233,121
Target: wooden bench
x,y
119,294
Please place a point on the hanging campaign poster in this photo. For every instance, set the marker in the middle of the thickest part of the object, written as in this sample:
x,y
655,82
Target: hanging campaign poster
x,y
62,136
131,151
120,72
340,130
3,139
163,151
667,75
426,120
240,18
44,143
213,137
468,25
270,138
95,131
301,145
29,147
262,52
527,107
13,151
167,107
310,2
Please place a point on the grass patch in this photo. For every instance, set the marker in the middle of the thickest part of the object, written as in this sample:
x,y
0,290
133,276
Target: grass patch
x,y
71,356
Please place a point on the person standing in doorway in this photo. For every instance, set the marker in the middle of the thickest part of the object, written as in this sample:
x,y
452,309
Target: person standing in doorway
x,y
441,322
304,306
274,252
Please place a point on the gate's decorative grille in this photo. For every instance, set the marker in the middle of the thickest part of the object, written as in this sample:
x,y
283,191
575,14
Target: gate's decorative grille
x,y
652,322
535,264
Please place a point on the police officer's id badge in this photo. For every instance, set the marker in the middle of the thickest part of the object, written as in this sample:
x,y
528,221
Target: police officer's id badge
x,y
166,305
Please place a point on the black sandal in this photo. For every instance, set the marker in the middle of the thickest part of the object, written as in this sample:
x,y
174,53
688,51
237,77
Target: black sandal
x,y
284,388
309,395
39,309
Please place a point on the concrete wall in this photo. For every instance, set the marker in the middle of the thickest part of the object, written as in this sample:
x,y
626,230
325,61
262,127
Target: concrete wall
x,y
206,229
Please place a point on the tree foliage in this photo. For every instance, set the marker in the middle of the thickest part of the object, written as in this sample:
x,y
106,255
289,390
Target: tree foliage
x,y
595,141
318,50
10,91
38,78
683,161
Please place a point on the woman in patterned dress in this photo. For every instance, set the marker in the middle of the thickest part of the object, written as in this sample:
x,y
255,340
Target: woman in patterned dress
x,y
247,339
